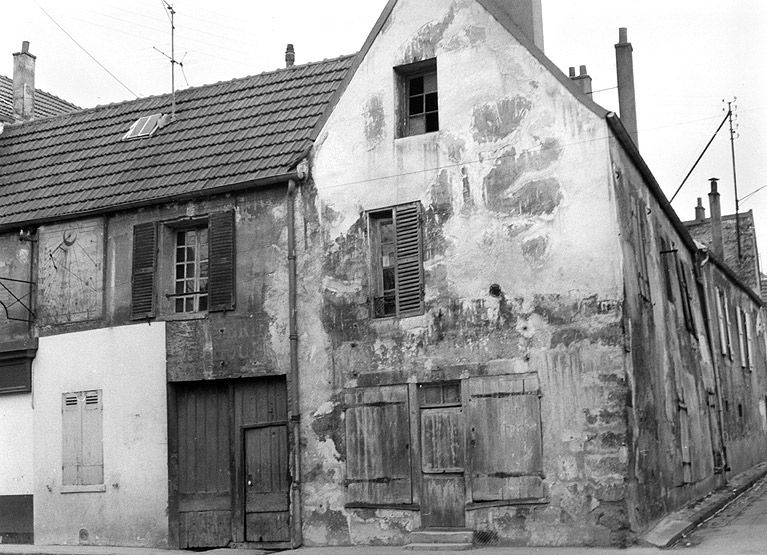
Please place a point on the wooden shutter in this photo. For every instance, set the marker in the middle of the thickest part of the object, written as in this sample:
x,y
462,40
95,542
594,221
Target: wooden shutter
x,y
378,446
741,338
407,221
749,339
728,324
221,261
71,439
722,323
144,267
505,438
92,462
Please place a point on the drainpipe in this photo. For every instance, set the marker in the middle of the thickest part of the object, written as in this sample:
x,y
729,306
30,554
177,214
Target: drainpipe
x,y
703,291
293,384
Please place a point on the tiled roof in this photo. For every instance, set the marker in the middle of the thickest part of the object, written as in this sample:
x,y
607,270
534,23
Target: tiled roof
x,y
225,134
46,104
745,266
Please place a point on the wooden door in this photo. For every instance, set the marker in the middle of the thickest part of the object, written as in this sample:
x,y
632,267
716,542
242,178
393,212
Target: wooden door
x,y
261,417
204,465
443,495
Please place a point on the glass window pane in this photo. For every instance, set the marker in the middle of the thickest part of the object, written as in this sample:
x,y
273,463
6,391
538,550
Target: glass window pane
x,y
180,254
452,393
387,231
431,102
189,304
179,271
415,105
190,286
431,395
204,269
203,302
179,287
179,305
204,236
203,285
417,126
416,85
190,270
432,122
190,254
388,279
430,82
180,238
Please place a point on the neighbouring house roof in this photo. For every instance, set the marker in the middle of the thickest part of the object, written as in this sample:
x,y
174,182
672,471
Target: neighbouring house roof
x,y
244,131
46,104
745,266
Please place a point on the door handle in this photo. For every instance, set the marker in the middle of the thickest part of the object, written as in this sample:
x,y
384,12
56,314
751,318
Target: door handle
x,y
250,480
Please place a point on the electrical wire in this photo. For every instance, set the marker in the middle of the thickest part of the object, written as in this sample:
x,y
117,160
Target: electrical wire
x,y
102,66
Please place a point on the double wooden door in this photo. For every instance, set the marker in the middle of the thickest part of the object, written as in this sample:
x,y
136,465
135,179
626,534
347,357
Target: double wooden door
x,y
229,463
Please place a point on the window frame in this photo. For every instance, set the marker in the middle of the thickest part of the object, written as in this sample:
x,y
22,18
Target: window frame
x,y
405,75
199,296
405,262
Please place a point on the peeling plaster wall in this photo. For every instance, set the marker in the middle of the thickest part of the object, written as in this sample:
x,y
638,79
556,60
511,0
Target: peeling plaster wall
x,y
128,364
673,371
15,263
516,191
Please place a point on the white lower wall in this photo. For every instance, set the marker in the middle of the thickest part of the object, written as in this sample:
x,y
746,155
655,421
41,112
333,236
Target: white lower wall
x,y
16,444
128,364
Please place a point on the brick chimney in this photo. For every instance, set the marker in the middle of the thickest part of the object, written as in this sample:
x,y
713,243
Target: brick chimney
x,y
290,56
716,220
583,80
23,84
700,211
624,62
528,16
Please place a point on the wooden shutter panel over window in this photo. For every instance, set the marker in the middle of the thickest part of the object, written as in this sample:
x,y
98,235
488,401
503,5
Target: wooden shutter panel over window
x,y
72,432
407,220
505,438
221,260
82,438
378,446
144,267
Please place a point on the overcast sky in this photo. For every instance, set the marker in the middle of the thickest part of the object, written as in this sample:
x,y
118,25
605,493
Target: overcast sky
x,y
688,56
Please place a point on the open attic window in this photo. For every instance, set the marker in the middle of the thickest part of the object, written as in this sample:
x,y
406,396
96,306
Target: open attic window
x,y
145,126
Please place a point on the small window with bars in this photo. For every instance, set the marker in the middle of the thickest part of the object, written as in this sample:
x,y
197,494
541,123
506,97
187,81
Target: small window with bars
x,y
191,270
397,261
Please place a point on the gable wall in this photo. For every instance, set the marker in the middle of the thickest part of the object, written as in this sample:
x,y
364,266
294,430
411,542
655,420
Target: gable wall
x,y
515,192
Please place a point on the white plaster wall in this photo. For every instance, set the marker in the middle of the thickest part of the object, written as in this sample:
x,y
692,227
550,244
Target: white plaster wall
x,y
128,364
16,444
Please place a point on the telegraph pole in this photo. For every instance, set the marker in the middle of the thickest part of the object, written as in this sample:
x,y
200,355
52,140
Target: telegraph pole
x,y
734,174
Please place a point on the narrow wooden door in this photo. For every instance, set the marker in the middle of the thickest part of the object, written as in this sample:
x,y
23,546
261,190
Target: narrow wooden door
x,y
443,494
262,419
204,465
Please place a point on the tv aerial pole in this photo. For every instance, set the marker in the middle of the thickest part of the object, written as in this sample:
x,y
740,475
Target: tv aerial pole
x,y
172,57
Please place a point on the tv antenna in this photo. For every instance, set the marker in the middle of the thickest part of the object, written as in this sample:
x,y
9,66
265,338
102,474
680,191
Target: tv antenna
x,y
173,61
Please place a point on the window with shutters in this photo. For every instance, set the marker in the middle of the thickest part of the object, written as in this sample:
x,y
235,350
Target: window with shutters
x,y
196,266
668,255
419,111
505,441
689,319
82,438
744,338
396,261
378,468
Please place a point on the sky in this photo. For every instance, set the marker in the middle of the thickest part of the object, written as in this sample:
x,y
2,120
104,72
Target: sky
x,y
689,56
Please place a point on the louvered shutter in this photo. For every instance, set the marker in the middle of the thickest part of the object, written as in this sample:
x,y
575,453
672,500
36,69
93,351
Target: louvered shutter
x,y
71,438
144,267
407,220
92,462
378,445
221,261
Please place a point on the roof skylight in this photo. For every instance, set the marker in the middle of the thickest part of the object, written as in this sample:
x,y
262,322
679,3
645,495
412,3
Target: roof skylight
x,y
144,127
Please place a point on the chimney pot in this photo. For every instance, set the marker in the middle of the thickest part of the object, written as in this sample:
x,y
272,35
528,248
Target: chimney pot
x,y
290,56
623,35
583,80
583,70
700,211
572,72
717,244
23,84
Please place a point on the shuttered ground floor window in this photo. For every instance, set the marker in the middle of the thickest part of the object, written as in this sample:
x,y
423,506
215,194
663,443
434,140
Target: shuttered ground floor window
x,y
82,438
496,420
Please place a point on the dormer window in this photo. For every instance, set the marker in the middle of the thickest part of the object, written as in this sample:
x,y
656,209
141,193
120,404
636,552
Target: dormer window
x,y
144,127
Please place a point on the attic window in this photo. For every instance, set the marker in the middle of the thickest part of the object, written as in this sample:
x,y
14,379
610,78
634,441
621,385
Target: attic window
x,y
144,127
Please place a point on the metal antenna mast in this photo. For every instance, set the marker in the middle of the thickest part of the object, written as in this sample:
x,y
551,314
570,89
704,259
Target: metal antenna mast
x,y
734,173
172,57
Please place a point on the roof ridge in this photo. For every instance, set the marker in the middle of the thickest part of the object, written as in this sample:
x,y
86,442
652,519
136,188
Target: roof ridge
x,y
67,102
167,95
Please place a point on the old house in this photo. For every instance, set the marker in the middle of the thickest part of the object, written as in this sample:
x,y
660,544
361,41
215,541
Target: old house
x,y
356,300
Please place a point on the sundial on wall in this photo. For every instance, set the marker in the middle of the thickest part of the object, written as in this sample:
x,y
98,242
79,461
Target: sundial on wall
x,y
71,272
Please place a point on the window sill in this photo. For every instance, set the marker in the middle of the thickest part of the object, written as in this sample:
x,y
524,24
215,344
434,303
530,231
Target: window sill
x,y
431,135
176,316
506,503
403,507
96,488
